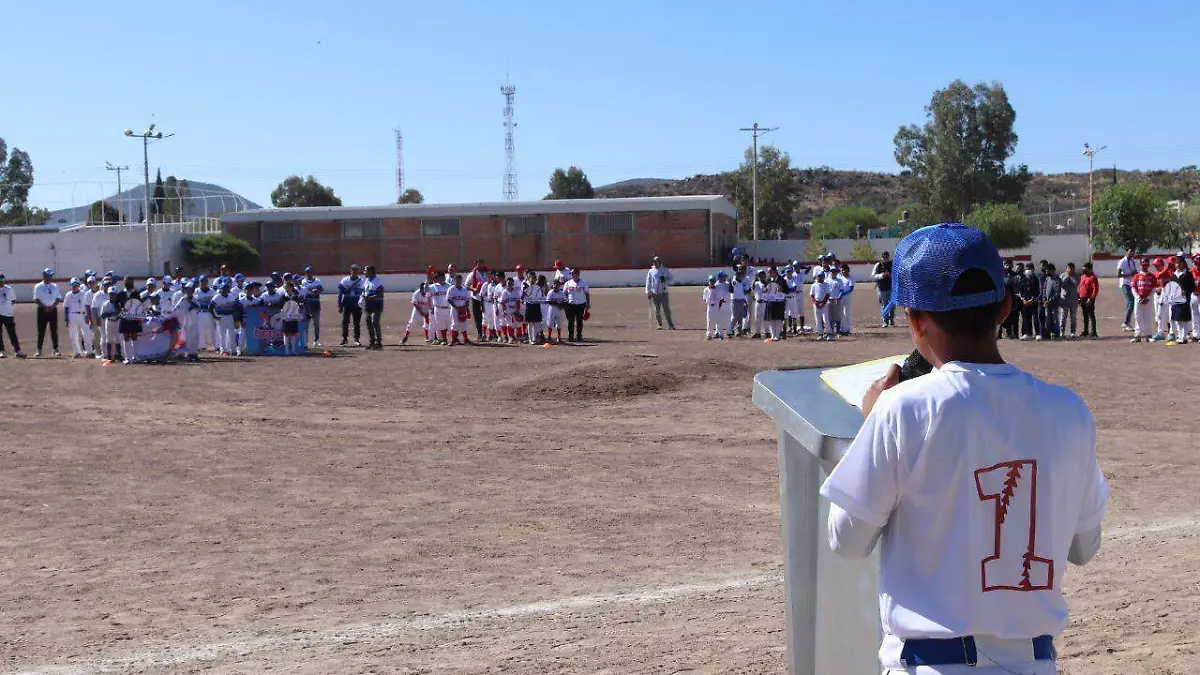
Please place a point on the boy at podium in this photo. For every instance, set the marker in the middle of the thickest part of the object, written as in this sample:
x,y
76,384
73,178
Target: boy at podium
x,y
978,481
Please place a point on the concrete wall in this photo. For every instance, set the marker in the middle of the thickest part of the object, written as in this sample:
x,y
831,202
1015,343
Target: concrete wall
x,y
23,255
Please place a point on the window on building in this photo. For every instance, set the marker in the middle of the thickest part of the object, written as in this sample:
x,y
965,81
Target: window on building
x,y
525,225
281,231
602,223
361,229
440,227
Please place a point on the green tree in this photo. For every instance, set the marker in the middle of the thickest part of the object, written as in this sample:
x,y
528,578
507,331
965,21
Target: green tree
x,y
1004,224
814,248
297,191
570,184
1130,215
958,157
100,213
777,196
412,196
846,222
16,178
210,251
184,196
159,199
171,210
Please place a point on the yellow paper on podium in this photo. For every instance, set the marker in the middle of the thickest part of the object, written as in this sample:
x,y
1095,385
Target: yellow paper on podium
x,y
852,382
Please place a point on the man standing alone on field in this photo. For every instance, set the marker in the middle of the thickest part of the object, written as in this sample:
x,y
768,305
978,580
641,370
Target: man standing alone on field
x,y
658,278
882,274
48,297
1126,269
7,297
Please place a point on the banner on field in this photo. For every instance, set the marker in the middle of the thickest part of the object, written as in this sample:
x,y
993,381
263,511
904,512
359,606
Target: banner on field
x,y
264,332
153,343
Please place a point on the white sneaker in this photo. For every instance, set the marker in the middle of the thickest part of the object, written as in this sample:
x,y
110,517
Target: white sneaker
x,y
1038,338
1023,338
1125,327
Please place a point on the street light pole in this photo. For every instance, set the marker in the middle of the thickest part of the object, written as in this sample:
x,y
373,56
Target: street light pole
x,y
1090,153
148,134
756,131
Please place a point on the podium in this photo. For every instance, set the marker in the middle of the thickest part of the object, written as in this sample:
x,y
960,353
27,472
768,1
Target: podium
x,y
832,603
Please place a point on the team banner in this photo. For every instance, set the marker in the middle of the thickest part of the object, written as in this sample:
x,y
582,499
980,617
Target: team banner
x,y
153,343
264,332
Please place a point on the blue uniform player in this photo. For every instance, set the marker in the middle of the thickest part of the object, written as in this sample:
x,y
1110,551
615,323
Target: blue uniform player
x,y
349,291
311,289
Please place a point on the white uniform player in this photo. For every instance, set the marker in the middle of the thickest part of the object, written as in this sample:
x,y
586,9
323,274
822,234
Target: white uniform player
x,y
534,300
556,299
110,314
846,300
422,308
716,297
225,309
759,310
510,307
796,299
79,328
205,323
820,293
980,480
96,305
132,313
441,312
459,299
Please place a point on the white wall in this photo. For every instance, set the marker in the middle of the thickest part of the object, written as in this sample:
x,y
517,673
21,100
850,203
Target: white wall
x,y
23,255
1060,249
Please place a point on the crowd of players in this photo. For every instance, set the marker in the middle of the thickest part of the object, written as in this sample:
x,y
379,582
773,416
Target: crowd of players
x,y
105,314
770,303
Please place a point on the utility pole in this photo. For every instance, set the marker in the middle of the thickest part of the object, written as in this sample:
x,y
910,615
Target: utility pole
x,y
1090,153
755,132
108,166
399,165
146,136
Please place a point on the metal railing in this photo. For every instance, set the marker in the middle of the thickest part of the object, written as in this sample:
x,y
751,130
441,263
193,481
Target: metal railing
x,y
1072,221
193,226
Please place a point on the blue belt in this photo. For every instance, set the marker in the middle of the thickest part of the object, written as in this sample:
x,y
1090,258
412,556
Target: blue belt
x,y
961,651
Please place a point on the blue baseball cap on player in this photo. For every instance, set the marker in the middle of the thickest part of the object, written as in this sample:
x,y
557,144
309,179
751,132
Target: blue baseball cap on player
x,y
929,261
47,272
308,269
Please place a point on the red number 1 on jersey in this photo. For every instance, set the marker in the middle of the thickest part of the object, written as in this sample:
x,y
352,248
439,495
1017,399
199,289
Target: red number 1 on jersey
x,y
1013,565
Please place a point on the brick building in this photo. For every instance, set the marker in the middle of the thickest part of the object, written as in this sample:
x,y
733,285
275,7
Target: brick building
x,y
590,233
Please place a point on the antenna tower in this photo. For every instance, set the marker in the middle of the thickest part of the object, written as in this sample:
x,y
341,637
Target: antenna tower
x,y
399,164
510,151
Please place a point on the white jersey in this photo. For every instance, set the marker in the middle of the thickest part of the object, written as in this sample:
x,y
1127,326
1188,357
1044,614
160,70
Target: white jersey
x,y
74,302
740,289
437,291
820,291
758,289
203,298
97,302
983,475
133,309
224,305
458,297
774,291
7,297
534,295
716,296
835,287
291,309
422,302
510,299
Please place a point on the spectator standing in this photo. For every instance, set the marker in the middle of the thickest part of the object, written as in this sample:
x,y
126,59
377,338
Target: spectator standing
x,y
7,297
1051,302
1027,293
882,274
1070,299
48,297
579,304
372,304
1127,267
658,279
1089,289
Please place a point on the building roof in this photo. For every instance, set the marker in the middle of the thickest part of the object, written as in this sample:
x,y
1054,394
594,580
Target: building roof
x,y
715,203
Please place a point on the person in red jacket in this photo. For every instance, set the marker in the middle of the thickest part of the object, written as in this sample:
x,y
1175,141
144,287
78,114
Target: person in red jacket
x,y
1145,286
1163,272
1089,289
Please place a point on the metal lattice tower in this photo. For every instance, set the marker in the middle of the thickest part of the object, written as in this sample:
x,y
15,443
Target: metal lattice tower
x,y
399,164
510,150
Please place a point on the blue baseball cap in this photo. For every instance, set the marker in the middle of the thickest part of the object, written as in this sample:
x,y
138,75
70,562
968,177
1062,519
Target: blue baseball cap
x,y
308,269
47,272
721,274
929,261
239,276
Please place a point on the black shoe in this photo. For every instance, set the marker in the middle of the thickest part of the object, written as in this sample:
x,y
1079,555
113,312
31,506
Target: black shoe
x,y
343,342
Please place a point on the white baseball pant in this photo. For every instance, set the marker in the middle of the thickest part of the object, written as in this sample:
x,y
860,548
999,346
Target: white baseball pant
x,y
1143,318
226,336
714,320
824,326
758,318
206,331
792,307
417,318
458,324
441,318
191,333
845,307
1195,300
554,317
79,333
1162,313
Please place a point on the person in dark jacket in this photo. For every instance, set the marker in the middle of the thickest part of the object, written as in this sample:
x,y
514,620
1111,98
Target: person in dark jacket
x,y
1051,302
1028,293
1012,282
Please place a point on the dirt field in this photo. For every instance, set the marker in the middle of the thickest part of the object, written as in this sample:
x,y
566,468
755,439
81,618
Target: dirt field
x,y
606,508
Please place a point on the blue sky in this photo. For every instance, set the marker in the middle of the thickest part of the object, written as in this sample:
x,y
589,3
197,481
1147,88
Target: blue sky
x,y
259,90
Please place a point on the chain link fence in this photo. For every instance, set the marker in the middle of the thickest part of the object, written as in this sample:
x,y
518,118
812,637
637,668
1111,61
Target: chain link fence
x,y
1073,221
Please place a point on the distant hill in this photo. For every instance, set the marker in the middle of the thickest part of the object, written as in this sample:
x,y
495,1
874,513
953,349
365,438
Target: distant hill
x,y
822,188
206,198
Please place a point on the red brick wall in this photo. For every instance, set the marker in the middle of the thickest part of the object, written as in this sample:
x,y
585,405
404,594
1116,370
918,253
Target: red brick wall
x,y
680,237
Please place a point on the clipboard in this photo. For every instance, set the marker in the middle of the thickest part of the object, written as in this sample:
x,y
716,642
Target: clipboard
x,y
852,382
